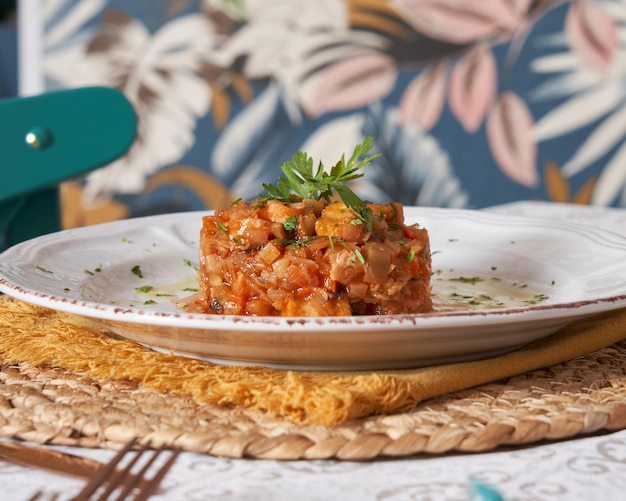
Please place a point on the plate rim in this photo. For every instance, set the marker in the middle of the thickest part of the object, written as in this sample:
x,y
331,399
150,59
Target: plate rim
x,y
139,315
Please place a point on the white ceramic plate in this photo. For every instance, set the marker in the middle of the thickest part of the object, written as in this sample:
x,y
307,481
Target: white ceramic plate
x,y
499,282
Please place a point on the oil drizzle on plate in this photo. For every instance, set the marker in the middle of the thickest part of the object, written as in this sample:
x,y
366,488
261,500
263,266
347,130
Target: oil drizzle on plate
x,y
452,292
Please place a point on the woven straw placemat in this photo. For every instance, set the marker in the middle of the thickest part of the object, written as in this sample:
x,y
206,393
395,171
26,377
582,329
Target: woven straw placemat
x,y
585,395
46,404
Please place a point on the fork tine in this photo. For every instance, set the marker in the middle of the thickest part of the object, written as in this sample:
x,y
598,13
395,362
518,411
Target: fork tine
x,y
123,477
130,485
38,496
151,487
112,478
96,481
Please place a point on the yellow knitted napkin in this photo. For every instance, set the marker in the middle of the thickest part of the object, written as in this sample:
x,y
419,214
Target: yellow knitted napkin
x,y
37,336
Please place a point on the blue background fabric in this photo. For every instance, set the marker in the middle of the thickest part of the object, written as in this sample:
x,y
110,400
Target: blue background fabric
x,y
470,103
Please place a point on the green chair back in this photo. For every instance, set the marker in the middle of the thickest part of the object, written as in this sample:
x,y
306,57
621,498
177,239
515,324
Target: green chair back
x,y
50,138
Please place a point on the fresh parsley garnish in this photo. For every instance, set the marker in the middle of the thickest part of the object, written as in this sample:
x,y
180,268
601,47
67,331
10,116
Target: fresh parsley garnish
x,y
290,223
294,244
467,280
136,270
302,181
360,257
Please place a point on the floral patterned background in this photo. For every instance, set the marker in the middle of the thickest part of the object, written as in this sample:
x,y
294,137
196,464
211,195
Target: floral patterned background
x,y
471,102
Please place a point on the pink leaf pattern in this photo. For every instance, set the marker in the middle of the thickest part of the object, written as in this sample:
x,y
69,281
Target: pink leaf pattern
x,y
351,83
473,84
423,98
461,21
521,6
509,132
592,34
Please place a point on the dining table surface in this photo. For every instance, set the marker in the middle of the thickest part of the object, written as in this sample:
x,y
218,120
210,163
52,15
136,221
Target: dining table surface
x,y
583,467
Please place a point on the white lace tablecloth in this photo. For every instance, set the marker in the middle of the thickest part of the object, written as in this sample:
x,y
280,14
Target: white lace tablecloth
x,y
586,468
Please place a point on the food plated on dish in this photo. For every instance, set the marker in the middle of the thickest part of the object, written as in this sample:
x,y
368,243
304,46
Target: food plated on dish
x,y
294,251
498,282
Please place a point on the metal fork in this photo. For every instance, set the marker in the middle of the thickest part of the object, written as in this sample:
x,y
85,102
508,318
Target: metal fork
x,y
122,482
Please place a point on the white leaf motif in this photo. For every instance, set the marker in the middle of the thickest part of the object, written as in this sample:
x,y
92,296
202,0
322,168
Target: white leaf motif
x,y
160,78
579,111
612,180
75,18
599,142
243,129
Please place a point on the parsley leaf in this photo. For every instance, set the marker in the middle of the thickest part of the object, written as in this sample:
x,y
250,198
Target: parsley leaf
x,y
290,223
302,181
